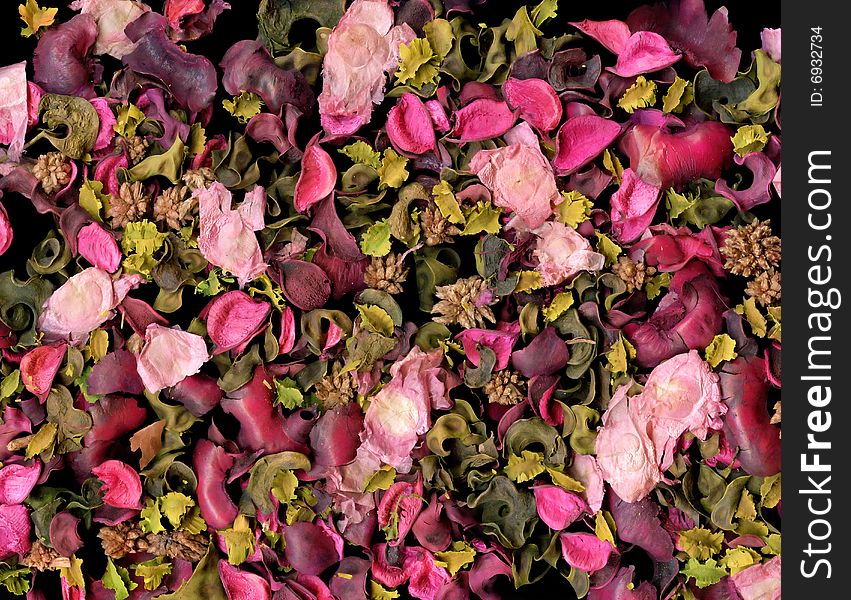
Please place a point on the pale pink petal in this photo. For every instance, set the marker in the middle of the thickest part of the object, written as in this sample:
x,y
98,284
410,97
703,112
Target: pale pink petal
x,y
759,582
562,253
99,247
169,356
17,481
585,551
122,487
558,508
633,207
581,139
112,16
317,178
13,108
587,472
771,43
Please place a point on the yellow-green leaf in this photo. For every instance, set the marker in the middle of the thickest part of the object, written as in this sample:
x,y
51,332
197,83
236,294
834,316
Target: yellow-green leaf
x,y
118,580
654,285
10,384
565,481
525,467
418,64
608,248
151,517
440,37
93,200
382,479
640,94
603,529
43,440
749,138
127,120
613,165
701,543
574,209
362,153
619,356
461,555
678,96
375,319
753,316
677,203
379,592
244,106
288,393
174,505
529,280
484,217
152,572
738,559
446,202
704,574
197,139
35,17
522,33
721,348
770,491
375,241
774,313
746,509
392,172
73,573
98,344
546,10
239,540
560,303
284,485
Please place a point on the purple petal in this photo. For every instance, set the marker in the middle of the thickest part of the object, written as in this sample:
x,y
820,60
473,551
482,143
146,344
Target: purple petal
x,y
762,172
310,549
546,354
62,61
116,372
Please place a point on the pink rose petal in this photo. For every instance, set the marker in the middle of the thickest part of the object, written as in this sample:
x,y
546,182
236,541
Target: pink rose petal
x,y
242,585
15,530
13,108
581,139
558,508
633,207
99,247
17,481
585,551
759,582
317,178
106,121
6,233
587,472
613,35
234,318
168,356
409,126
562,253
122,487
482,119
39,366
536,102
645,52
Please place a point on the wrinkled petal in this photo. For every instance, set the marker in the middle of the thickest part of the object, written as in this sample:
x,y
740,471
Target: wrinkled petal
x,y
98,246
409,126
310,549
644,52
234,318
763,174
112,17
17,481
62,61
585,551
633,207
122,487
535,101
168,356
15,530
38,368
562,253
558,508
613,35
759,582
242,585
317,178
14,116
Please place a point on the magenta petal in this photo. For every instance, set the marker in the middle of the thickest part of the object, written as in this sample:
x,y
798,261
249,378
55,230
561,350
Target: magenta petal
x,y
106,172
317,178
234,318
199,393
14,530
425,578
438,115
633,207
613,35
121,484
385,573
116,372
107,121
432,528
17,481
286,340
99,247
500,341
763,172
546,354
585,551
401,503
6,233
211,463
266,127
62,61
482,119
581,139
335,436
645,52
485,570
39,366
409,126
242,585
558,508
64,535
309,548
536,102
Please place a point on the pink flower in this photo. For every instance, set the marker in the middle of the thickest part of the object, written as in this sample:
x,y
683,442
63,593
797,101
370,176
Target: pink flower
x,y
681,394
399,413
13,108
17,481
759,582
14,530
361,49
122,487
226,236
99,247
558,508
562,253
521,180
625,451
169,356
82,304
112,16
585,551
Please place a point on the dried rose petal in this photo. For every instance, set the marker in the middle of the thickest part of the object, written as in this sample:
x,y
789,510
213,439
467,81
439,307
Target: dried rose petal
x,y
122,487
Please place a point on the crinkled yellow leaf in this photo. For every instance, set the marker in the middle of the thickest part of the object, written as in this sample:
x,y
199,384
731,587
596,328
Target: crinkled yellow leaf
x,y
640,94
418,64
484,217
379,592
747,508
677,203
619,356
382,479
244,106
522,33
284,485
608,248
560,303
93,200
446,202
529,280
574,209
73,573
774,315
654,285
197,139
770,491
362,153
127,119
738,559
239,540
753,316
749,138
152,572
544,11
704,574
525,467
375,319
565,481
678,96
151,517
174,505
392,172
721,348
375,241
772,544
701,543
118,580
98,344
602,527
460,555
35,18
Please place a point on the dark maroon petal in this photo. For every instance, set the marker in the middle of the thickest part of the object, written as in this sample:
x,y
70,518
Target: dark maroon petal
x,y
199,393
622,587
139,314
248,67
189,78
744,388
638,523
350,579
64,536
15,423
309,548
409,126
152,102
62,61
484,574
266,127
211,464
705,42
546,354
762,172
114,417
305,284
334,438
116,372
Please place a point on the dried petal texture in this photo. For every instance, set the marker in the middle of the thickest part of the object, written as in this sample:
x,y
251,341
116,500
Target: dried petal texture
x,y
168,356
39,366
625,451
558,508
17,481
234,318
759,582
409,126
501,341
681,394
586,471
106,121
521,180
361,49
211,463
426,578
535,101
122,487
644,52
613,35
581,139
226,236
585,551
6,233
14,114
482,119
401,504
763,173
242,585
665,159
62,61
562,253
99,247
111,17
633,207
82,304
312,547
14,530
317,178
771,43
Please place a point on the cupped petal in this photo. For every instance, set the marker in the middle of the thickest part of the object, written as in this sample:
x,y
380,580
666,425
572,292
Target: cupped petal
x,y
557,507
242,585
122,487
409,126
482,119
535,101
169,356
633,207
39,366
644,52
99,247
310,548
317,178
585,551
17,481
234,318
62,61
15,530
581,139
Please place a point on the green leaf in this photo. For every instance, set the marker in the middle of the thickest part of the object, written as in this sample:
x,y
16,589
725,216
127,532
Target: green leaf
x,y
565,481
461,555
529,280
42,441
484,217
73,573
641,94
558,306
244,106
139,242
546,10
193,522
678,96
654,285
613,165
770,491
204,583
721,348
447,204
753,316
93,200
522,33
603,529
118,580
608,248
239,540
73,124
262,477
169,164
128,118
151,517
392,172
746,509
418,64
749,138
525,467
288,393
212,286
382,479
677,203
152,572
701,543
15,579
375,241
375,319
362,153
574,209
11,384
440,37
284,485
174,506
197,139
704,574
619,356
